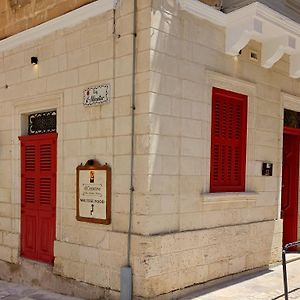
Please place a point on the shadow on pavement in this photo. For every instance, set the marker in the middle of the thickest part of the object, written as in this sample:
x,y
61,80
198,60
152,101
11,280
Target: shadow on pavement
x,y
282,295
210,286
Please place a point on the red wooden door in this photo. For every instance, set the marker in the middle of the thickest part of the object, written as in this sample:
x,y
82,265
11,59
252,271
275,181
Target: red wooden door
x,y
290,185
38,196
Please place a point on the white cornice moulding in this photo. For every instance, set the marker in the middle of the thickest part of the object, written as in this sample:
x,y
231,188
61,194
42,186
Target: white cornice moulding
x,y
67,20
277,33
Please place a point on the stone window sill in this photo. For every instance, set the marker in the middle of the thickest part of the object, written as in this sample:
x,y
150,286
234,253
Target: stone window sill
x,y
211,198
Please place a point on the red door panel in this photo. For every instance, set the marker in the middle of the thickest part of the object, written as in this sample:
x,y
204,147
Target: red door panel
x,y
38,196
47,236
29,224
290,185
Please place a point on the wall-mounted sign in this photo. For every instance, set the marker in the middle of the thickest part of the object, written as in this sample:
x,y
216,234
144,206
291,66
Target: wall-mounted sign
x,y
93,192
96,95
267,169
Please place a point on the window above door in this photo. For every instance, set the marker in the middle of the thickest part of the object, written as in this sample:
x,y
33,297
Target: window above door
x,y
291,118
42,122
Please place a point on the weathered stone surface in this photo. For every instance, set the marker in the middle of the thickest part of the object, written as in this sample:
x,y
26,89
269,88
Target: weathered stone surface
x,y
181,237
19,15
215,3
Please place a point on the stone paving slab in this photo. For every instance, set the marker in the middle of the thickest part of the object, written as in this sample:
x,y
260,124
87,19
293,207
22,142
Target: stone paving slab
x,y
264,285
12,291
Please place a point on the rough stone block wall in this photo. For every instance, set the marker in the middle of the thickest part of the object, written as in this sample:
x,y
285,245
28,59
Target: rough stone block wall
x,y
174,261
19,15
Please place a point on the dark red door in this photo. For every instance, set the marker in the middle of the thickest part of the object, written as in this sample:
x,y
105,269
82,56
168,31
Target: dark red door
x,y
38,196
290,185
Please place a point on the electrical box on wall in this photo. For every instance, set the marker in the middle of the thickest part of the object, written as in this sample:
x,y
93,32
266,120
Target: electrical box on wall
x,y
267,169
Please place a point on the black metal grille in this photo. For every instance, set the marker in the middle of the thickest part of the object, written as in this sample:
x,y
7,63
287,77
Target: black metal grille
x,y
44,122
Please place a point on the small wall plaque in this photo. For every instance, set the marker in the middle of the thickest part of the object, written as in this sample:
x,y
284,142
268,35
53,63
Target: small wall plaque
x,y
267,169
93,193
96,95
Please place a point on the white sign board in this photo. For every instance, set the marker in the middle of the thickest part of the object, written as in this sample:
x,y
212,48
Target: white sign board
x,y
96,95
93,193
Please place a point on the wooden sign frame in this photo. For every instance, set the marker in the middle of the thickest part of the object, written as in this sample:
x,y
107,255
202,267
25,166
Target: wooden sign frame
x,y
94,192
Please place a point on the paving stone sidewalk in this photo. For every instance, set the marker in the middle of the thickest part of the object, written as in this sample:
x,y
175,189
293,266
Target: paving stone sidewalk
x,y
264,285
12,291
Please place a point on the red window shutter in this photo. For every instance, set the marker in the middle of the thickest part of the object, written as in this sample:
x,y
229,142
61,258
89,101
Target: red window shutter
x,y
38,196
228,141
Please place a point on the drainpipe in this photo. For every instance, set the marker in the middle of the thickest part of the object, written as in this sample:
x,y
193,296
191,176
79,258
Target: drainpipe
x,y
126,271
278,216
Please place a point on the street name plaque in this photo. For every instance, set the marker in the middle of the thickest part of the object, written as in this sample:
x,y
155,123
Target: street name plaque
x,y
93,193
96,95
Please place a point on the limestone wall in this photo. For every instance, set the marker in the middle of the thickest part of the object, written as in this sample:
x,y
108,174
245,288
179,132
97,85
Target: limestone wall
x,y
174,261
186,60
70,60
183,235
19,15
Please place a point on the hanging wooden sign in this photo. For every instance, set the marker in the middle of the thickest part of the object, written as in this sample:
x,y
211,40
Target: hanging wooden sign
x,y
93,193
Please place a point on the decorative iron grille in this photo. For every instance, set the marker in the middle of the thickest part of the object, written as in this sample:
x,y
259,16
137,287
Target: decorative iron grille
x,y
44,122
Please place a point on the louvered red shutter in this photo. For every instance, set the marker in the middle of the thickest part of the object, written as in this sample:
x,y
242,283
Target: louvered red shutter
x,y
228,141
29,205
38,196
47,196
